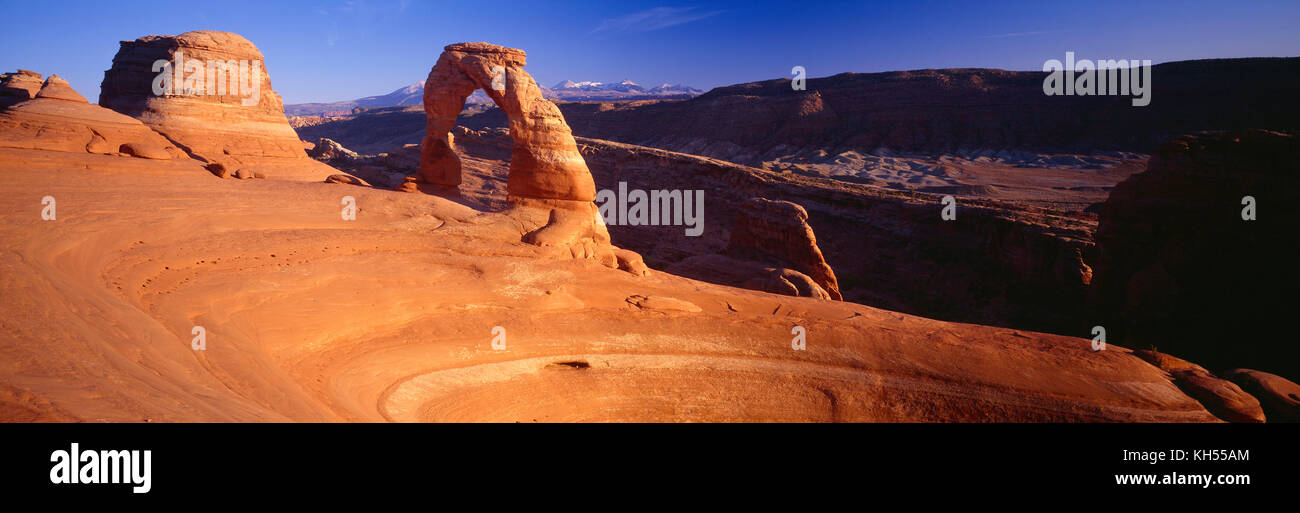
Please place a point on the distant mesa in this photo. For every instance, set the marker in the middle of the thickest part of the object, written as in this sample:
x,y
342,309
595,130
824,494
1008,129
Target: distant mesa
x,y
949,111
242,127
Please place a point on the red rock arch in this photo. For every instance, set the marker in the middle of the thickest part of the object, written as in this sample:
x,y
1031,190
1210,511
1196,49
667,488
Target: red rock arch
x,y
544,162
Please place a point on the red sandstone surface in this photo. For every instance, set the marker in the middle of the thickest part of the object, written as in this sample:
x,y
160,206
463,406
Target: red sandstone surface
x,y
476,238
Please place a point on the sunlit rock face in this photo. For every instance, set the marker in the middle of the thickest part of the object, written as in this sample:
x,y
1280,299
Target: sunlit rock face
x,y
214,101
59,118
544,162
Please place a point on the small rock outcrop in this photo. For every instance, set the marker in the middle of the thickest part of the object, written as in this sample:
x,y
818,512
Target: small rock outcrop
x,y
56,88
346,180
1168,363
18,87
58,118
327,150
1279,396
778,232
222,110
773,249
1221,397
544,162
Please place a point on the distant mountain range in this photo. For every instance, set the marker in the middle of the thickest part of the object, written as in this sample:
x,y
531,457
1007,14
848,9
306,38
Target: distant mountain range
x,y
567,90
570,87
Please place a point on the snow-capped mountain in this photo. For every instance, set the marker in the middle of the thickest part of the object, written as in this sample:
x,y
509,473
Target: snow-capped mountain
x,y
410,95
674,88
623,90
586,86
626,86
567,90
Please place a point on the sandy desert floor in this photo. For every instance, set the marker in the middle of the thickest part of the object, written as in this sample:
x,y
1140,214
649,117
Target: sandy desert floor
x,y
391,317
1066,182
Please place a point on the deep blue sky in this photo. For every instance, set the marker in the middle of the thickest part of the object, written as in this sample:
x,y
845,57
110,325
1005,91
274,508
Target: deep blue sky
x,y
332,50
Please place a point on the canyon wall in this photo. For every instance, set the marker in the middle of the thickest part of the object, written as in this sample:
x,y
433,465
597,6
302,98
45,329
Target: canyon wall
x,y
950,111
1178,267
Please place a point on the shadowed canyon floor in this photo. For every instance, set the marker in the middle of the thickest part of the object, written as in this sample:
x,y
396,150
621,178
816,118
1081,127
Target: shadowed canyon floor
x,y
390,317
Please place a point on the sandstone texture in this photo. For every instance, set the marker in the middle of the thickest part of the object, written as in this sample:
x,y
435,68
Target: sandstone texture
x,y
18,87
392,316
550,190
244,127
749,275
312,318
772,249
1220,396
1168,363
56,88
1279,397
60,119
778,231
346,180
328,150
544,162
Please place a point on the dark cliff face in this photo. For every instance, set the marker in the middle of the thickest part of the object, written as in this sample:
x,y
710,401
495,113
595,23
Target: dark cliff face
x,y
1178,268
941,111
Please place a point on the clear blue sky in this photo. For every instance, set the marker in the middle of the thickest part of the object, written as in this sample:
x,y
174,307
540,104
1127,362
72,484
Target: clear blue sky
x,y
332,50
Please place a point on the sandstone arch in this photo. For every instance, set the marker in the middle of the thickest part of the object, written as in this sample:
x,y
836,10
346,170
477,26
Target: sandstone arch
x,y
544,162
